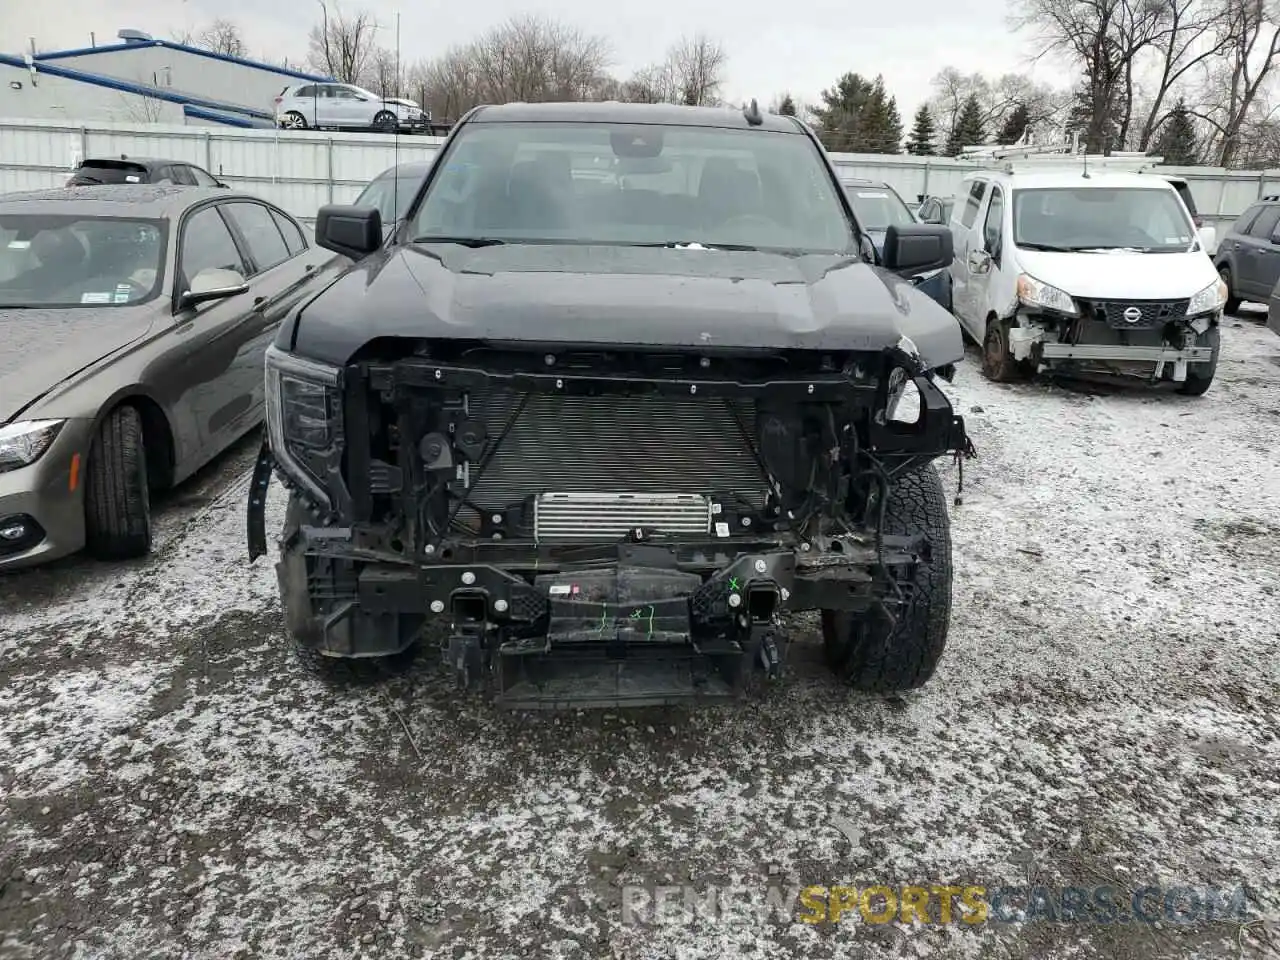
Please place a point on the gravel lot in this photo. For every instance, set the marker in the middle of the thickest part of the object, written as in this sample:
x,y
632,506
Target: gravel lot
x,y
174,782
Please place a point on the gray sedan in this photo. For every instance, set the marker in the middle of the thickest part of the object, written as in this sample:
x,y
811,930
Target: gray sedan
x,y
133,325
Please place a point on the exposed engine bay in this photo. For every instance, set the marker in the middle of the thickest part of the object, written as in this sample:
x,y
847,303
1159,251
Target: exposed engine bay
x,y
602,503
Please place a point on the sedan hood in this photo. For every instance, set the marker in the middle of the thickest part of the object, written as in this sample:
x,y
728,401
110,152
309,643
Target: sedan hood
x,y
1120,275
624,295
41,348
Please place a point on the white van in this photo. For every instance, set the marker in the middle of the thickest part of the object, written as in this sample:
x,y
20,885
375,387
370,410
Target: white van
x,y
1100,270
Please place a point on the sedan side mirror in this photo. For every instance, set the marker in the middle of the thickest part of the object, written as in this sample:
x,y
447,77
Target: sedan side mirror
x,y
353,232
917,248
213,283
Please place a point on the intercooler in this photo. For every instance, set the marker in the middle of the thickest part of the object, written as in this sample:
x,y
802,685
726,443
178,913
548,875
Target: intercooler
x,y
602,465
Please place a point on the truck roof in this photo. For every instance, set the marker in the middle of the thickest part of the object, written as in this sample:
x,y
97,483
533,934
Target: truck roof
x,y
614,112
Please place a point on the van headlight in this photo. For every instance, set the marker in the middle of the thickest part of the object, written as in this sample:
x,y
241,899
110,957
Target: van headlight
x,y
1034,293
304,418
1209,300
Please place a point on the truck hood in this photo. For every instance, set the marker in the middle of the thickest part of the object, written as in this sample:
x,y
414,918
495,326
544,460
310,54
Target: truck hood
x,y
39,349
624,295
1120,275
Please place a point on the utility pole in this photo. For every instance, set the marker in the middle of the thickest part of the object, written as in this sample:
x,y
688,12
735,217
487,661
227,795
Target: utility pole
x,y
399,88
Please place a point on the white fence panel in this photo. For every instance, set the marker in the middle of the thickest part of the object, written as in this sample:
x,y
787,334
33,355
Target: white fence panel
x,y
303,170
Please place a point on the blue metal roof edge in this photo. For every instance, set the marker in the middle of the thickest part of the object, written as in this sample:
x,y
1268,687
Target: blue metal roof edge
x,y
173,45
137,89
227,119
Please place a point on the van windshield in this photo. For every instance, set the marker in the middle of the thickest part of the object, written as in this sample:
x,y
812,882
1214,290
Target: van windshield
x,y
1101,218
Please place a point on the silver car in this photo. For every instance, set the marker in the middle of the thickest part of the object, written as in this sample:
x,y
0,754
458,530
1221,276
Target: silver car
x,y
344,106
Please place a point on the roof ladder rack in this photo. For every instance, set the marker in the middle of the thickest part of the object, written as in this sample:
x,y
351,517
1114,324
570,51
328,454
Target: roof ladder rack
x,y
1057,157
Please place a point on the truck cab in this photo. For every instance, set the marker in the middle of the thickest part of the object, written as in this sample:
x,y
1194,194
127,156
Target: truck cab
x,y
1072,262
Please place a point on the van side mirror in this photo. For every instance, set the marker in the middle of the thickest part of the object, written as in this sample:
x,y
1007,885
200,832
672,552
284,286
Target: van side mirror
x,y
917,248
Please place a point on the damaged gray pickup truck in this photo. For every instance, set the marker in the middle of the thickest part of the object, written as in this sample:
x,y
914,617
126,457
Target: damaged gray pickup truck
x,y
618,394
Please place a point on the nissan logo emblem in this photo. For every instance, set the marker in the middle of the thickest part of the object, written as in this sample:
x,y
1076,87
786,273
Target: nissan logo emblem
x,y
1133,314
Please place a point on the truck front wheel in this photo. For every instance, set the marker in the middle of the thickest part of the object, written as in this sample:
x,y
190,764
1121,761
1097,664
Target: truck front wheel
x,y
869,651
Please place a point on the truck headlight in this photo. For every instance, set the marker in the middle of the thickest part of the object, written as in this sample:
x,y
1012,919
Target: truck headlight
x,y
304,418
25,442
1209,300
1034,293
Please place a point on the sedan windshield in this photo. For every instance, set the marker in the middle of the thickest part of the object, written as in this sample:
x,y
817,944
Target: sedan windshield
x,y
877,207
1101,218
68,261
634,184
390,195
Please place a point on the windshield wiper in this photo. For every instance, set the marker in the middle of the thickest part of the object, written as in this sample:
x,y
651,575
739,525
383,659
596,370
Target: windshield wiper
x,y
472,242
1051,248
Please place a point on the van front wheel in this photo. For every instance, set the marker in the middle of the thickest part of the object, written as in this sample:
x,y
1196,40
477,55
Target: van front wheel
x,y
998,363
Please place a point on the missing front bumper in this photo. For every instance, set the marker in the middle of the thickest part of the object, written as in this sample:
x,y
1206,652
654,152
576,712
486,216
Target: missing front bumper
x,y
1065,351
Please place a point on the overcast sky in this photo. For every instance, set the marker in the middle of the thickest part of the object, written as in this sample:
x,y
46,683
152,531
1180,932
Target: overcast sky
x,y
801,46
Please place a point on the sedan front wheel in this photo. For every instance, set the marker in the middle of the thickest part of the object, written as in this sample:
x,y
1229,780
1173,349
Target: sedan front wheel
x,y
117,497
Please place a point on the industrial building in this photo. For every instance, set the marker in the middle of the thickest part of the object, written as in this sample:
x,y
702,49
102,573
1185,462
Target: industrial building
x,y
143,80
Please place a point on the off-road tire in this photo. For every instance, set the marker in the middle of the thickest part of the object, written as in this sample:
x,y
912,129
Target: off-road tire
x,y
117,499
867,651
1233,302
294,121
386,122
998,363
1200,375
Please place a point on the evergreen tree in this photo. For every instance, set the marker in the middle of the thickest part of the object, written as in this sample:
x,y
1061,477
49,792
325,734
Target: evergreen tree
x,y
923,132
1015,125
787,107
858,116
886,122
968,130
1177,142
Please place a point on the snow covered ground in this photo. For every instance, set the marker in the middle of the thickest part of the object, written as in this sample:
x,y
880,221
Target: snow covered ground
x,y
174,783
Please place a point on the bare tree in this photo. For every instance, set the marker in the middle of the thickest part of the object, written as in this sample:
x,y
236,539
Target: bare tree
x,y
652,84
697,65
382,74
528,58
341,45
142,109
222,36
1251,50
997,99
533,59
1192,36
449,86
1106,38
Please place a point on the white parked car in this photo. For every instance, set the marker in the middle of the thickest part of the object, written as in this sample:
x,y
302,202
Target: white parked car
x,y
344,106
1097,270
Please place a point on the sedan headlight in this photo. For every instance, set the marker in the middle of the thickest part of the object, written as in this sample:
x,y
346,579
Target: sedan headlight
x,y
1034,293
304,418
1210,299
23,443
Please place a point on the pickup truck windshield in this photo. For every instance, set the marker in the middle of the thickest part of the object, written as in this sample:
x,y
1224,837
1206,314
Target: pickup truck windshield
x,y
1101,218
634,184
